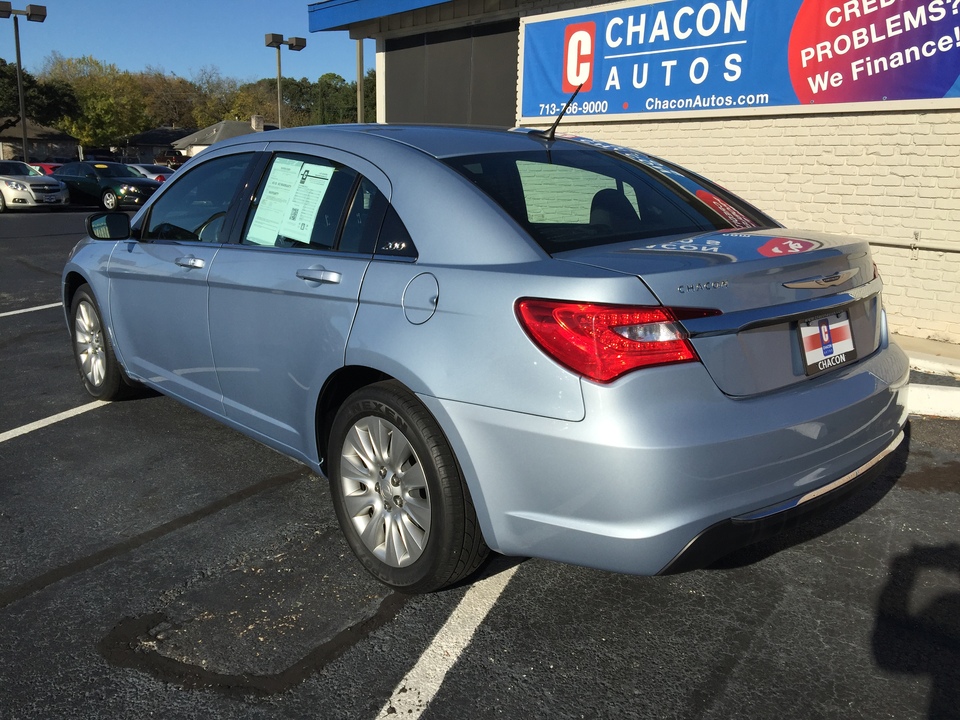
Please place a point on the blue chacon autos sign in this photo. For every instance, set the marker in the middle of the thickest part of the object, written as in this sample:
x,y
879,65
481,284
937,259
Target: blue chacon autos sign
x,y
740,57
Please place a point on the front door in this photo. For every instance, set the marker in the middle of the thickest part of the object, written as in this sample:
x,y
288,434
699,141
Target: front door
x,y
158,285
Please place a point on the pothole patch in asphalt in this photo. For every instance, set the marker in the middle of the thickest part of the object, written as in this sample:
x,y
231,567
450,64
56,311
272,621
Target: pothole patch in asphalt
x,y
262,626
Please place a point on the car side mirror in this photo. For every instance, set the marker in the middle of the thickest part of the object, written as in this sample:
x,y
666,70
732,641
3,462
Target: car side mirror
x,y
109,226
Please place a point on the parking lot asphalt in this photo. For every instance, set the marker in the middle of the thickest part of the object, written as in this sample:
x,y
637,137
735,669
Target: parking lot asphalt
x,y
156,563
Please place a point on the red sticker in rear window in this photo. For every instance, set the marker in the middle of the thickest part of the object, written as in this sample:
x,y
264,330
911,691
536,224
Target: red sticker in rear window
x,y
727,211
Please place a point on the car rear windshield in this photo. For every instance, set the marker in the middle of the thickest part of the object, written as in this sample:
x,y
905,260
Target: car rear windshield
x,y
571,198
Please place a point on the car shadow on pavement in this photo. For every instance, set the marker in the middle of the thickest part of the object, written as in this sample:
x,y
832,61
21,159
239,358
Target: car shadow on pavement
x,y
917,630
822,523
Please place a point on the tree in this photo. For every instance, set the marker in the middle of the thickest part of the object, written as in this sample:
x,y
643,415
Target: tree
x,y
169,99
101,105
47,102
257,98
111,101
370,96
299,97
336,101
215,97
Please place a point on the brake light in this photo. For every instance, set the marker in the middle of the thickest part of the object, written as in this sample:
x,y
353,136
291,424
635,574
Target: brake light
x,y
604,342
160,178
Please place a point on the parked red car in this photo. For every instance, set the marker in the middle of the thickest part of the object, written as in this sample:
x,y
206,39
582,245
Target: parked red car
x,y
45,167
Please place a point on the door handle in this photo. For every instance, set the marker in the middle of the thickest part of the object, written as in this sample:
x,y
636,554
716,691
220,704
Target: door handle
x,y
189,262
319,275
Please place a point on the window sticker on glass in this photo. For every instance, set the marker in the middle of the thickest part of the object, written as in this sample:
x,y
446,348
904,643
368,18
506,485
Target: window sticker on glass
x,y
289,202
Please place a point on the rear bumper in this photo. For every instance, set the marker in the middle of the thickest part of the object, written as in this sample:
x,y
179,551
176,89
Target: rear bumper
x,y
663,457
728,535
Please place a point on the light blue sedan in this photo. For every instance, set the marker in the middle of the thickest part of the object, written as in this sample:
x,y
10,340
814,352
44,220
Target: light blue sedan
x,y
544,346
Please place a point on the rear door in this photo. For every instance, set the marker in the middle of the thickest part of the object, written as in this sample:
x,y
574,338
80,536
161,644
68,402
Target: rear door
x,y
283,299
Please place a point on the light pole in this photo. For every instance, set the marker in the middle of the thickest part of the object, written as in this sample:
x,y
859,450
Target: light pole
x,y
33,13
275,40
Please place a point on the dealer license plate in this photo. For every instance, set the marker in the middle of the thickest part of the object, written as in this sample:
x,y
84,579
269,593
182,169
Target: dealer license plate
x,y
827,343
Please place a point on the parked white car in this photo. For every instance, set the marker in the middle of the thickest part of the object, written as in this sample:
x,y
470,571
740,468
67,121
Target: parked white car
x,y
22,186
154,172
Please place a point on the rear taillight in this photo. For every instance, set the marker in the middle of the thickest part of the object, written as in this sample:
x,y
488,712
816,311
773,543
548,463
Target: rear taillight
x,y
603,342
160,178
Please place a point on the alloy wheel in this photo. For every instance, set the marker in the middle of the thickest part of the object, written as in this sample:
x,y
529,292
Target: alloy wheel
x,y
91,351
385,491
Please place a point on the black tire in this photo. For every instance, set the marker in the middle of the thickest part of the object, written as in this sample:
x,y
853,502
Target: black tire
x,y
3,203
398,492
109,201
99,370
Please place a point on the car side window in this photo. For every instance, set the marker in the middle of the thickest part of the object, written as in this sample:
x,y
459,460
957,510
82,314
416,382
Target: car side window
x,y
362,223
372,225
300,203
72,169
195,206
394,240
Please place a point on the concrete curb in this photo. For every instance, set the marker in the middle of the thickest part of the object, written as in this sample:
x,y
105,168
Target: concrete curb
x,y
933,358
934,400
934,365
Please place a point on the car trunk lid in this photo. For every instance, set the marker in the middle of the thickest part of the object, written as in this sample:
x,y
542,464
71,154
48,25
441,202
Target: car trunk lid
x,y
776,291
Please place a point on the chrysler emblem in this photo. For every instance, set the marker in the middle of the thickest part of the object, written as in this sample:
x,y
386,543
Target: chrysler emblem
x,y
823,281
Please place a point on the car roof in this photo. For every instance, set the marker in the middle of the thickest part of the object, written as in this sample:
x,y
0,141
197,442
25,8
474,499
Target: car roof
x,y
448,141
438,141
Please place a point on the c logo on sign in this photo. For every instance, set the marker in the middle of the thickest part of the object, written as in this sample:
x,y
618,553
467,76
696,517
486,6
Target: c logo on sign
x,y
578,43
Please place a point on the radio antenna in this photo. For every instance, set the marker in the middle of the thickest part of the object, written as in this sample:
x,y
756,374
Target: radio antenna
x,y
549,134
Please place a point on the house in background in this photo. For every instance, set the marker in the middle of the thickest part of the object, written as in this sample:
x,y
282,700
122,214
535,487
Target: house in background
x,y
144,147
223,130
46,144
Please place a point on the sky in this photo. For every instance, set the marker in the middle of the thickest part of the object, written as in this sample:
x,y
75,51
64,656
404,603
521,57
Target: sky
x,y
183,36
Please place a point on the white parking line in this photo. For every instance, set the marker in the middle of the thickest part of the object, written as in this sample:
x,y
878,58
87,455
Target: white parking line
x,y
32,309
39,424
413,694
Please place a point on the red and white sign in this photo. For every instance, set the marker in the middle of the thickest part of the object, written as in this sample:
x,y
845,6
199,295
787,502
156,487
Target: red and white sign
x,y
579,47
827,343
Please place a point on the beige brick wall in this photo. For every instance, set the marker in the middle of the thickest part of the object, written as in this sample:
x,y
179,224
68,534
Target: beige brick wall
x,y
886,176
921,293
